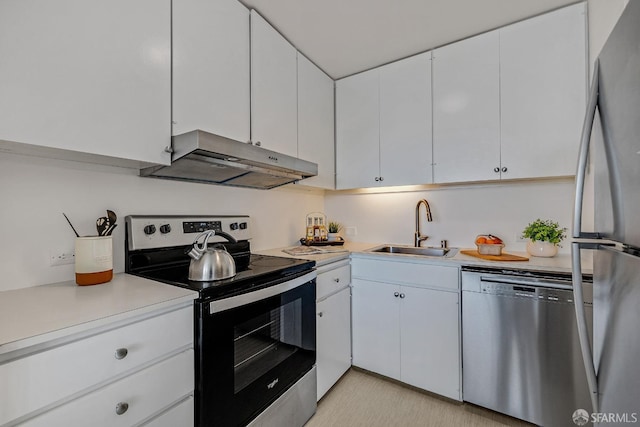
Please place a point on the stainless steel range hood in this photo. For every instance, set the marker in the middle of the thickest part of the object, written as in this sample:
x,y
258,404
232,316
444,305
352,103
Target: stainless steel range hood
x,y
200,156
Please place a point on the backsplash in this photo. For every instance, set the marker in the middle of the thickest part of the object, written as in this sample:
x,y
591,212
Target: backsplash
x,y
460,213
35,191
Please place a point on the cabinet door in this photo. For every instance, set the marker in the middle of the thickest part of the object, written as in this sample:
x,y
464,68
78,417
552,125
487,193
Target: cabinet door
x,y
405,121
333,331
357,130
543,74
376,327
274,111
211,67
466,110
316,122
87,76
430,340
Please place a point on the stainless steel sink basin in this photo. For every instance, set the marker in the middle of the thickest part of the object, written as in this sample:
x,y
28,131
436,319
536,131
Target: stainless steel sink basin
x,y
409,250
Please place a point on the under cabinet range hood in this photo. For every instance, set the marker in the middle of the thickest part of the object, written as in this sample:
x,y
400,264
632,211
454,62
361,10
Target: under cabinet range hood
x,y
199,156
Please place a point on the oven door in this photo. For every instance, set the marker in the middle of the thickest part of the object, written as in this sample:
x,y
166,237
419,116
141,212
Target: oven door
x,y
251,348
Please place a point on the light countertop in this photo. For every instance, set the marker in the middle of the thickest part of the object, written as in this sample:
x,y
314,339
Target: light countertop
x,y
35,315
560,263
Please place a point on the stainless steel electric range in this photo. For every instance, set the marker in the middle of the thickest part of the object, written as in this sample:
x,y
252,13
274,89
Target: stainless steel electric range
x,y
255,333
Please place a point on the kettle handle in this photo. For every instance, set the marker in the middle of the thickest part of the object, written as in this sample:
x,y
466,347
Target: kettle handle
x,y
197,250
227,236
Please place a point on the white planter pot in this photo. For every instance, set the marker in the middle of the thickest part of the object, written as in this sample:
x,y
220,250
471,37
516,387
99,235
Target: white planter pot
x,y
333,237
541,249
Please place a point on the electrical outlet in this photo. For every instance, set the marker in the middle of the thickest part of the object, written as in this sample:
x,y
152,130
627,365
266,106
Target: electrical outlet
x,y
61,258
351,231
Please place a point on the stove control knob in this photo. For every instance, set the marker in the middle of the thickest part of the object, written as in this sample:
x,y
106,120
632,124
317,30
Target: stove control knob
x,y
149,229
243,226
234,226
164,229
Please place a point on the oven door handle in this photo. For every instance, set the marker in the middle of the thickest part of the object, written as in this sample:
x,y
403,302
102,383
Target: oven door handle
x,y
243,299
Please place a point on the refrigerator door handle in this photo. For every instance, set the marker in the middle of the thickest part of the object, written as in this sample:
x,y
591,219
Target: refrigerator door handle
x,y
583,332
583,156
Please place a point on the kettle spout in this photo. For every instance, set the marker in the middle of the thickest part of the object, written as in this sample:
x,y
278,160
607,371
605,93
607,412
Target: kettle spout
x,y
195,253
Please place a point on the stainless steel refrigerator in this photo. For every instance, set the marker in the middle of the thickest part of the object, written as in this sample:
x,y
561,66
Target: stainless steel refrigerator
x,y
612,360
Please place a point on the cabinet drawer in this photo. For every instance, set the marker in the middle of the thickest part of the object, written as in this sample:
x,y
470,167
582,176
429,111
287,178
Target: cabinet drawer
x,y
180,415
146,392
41,379
332,280
419,274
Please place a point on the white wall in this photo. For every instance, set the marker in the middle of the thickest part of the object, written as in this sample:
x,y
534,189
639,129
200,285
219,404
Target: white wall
x,y
460,213
35,191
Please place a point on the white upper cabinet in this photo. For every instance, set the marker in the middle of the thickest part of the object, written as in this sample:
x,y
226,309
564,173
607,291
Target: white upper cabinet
x,y
510,103
211,68
357,130
405,121
274,98
316,122
466,110
543,77
88,76
383,125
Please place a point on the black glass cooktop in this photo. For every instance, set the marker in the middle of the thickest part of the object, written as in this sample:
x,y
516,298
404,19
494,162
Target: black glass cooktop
x,y
261,271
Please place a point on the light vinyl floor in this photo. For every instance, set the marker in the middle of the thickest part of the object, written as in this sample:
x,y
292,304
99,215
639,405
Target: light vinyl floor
x,y
363,399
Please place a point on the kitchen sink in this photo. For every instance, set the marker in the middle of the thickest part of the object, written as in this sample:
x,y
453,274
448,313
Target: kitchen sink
x,y
410,250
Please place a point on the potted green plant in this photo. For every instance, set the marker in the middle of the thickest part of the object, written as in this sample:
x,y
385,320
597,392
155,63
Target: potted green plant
x,y
544,237
333,228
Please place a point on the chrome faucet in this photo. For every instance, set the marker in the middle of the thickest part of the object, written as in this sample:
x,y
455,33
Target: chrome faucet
x,y
419,237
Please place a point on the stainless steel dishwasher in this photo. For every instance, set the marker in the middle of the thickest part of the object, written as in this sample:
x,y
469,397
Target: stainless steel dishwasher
x,y
521,354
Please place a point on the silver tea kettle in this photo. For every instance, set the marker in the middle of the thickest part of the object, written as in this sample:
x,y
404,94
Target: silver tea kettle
x,y
211,264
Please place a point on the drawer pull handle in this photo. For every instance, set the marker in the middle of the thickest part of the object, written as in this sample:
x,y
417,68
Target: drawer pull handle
x,y
320,314
121,408
121,353
337,280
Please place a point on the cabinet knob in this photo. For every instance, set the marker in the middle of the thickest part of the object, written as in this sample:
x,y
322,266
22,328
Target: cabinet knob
x,y
377,178
121,353
504,169
382,178
258,143
121,408
402,295
337,280
320,314
496,170
396,294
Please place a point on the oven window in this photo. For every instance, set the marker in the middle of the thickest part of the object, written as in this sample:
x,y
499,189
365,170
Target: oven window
x,y
264,341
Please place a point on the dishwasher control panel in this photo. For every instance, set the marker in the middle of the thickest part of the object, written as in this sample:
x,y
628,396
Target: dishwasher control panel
x,y
548,288
531,292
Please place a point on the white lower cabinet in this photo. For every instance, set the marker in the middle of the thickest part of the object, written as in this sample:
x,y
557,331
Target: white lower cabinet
x,y
176,416
408,328
333,324
129,401
120,375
